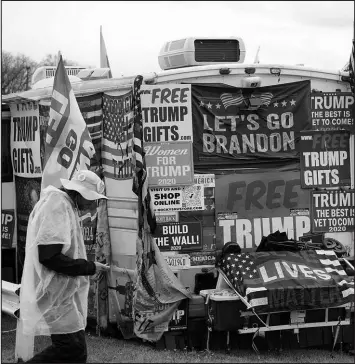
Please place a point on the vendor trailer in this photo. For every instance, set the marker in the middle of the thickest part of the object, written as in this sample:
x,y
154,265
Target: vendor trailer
x,y
191,61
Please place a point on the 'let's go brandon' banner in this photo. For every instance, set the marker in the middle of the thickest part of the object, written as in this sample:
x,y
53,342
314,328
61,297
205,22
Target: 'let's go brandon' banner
x,y
249,126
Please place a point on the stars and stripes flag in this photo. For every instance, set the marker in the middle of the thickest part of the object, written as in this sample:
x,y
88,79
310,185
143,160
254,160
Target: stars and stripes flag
x,y
232,99
253,102
68,145
104,63
272,281
257,100
91,110
117,136
266,98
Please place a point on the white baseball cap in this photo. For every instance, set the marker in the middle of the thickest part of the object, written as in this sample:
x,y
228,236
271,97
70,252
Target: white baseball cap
x,y
87,183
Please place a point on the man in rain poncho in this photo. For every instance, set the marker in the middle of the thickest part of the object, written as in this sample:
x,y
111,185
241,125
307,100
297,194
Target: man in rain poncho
x,y
55,282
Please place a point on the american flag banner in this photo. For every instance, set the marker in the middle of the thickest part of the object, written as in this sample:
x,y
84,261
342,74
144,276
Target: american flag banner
x,y
272,281
91,110
232,99
68,145
157,291
117,136
265,98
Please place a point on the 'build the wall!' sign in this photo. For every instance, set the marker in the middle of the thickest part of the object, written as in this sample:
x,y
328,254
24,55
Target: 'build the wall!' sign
x,y
325,158
333,211
182,237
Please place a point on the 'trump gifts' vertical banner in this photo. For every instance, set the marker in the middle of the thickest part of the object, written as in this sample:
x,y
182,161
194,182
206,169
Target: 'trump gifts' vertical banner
x,y
25,144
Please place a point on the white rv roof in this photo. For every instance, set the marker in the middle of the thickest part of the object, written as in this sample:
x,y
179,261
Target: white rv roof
x,y
176,75
48,82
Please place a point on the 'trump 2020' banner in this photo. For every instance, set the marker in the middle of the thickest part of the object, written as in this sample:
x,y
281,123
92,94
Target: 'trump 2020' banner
x,y
256,204
244,126
25,144
333,211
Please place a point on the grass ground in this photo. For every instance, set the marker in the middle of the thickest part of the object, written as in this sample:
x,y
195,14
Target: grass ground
x,y
113,350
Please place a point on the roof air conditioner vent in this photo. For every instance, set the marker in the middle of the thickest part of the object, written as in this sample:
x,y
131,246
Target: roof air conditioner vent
x,y
201,51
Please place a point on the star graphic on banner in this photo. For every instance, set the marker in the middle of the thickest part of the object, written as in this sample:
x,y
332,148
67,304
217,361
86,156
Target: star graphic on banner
x,y
218,106
209,105
293,102
276,104
284,103
202,103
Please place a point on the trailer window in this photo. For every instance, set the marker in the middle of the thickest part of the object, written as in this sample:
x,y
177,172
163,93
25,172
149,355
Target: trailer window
x,y
6,166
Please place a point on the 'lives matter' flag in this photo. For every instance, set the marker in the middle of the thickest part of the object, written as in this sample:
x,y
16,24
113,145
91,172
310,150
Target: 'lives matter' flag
x,y
68,145
288,280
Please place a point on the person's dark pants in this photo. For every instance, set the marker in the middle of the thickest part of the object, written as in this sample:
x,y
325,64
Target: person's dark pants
x,y
65,348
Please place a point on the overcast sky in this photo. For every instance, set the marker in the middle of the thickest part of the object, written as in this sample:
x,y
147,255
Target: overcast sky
x,y
318,34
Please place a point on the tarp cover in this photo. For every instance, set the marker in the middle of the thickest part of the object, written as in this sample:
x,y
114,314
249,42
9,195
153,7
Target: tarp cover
x,y
283,280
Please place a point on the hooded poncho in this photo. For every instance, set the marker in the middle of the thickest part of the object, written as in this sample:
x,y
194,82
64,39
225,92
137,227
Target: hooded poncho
x,y
51,303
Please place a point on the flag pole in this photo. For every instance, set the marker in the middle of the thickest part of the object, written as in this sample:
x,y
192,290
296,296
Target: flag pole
x,y
58,58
